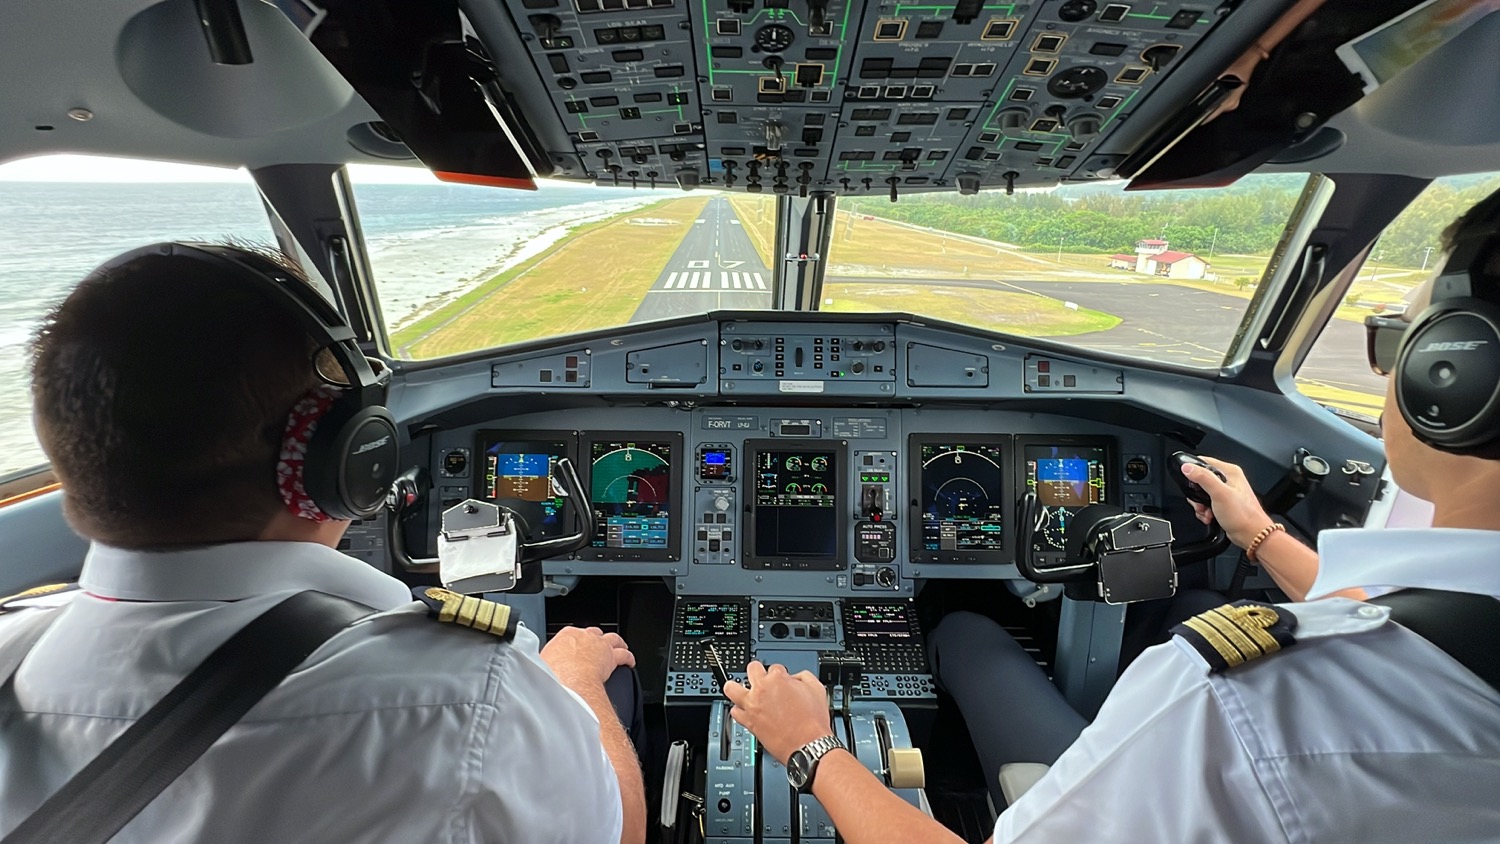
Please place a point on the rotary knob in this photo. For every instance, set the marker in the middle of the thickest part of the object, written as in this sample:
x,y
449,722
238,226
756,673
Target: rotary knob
x,y
721,503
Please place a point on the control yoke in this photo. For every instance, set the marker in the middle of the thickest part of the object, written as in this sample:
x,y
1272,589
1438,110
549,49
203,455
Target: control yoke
x,y
481,548
1112,556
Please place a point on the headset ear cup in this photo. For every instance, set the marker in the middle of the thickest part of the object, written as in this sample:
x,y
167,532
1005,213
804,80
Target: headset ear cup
x,y
351,461
1447,375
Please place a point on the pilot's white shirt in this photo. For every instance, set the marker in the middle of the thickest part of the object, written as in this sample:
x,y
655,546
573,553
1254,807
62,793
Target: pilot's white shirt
x,y
399,729
1361,732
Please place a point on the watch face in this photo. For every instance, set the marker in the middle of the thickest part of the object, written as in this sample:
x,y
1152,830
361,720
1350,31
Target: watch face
x,y
798,768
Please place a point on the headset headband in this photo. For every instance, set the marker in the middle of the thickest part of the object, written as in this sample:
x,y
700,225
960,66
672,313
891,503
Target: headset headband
x,y
313,313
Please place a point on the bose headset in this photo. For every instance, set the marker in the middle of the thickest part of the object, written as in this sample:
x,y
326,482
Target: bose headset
x,y
351,458
1448,368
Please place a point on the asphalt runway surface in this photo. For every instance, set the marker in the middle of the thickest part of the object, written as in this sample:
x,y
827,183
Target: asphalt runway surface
x,y
715,267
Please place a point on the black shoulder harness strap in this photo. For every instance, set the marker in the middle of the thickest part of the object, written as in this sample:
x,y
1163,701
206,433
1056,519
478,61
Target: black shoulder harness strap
x,y
1461,625
149,756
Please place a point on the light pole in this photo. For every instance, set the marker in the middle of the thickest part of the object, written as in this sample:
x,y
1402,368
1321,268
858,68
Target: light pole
x,y
1060,239
1213,244
1426,253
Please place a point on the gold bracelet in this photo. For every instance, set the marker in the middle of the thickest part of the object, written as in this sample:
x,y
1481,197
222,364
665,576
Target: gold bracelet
x,y
1264,534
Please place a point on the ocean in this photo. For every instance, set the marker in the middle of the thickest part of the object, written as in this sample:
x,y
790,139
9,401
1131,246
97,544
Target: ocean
x,y
427,244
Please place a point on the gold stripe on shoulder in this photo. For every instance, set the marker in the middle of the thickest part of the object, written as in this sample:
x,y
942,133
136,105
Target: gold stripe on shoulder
x,y
1237,633
449,607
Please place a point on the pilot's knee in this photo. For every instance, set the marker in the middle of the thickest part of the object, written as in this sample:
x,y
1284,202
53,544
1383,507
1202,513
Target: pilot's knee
x,y
964,632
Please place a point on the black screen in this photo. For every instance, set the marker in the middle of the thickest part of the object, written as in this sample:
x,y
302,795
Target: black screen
x,y
796,503
1065,479
517,473
962,484
630,486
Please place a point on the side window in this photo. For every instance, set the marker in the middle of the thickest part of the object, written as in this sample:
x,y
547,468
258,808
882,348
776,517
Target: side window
x,y
61,216
1337,371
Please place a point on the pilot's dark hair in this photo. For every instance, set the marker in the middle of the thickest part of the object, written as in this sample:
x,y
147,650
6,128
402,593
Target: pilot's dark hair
x,y
161,393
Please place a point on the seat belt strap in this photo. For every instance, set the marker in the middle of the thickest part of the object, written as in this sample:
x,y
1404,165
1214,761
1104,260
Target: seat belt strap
x,y
149,756
1464,626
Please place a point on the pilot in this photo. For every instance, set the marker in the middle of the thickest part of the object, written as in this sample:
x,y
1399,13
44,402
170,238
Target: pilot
x,y
1351,728
164,392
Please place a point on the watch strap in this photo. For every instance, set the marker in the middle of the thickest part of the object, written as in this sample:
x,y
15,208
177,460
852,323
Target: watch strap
x,y
815,750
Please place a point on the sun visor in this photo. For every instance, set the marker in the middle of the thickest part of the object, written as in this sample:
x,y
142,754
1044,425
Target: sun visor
x,y
433,86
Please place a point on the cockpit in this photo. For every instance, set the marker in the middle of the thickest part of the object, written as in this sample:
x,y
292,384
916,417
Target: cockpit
x,y
779,330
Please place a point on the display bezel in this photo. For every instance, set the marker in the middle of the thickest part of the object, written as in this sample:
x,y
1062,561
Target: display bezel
x,y
1111,463
1001,555
566,440
753,559
673,551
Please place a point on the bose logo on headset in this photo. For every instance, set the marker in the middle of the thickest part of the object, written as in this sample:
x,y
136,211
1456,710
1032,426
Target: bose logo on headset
x,y
371,446
1453,346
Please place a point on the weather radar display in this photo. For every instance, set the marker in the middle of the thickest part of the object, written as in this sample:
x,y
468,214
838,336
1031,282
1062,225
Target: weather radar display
x,y
630,485
962,484
1065,479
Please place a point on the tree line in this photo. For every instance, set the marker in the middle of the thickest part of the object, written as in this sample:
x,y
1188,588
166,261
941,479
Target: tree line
x,y
1245,219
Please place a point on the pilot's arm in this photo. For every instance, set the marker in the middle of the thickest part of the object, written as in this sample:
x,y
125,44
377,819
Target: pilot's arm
x,y
1291,564
1160,763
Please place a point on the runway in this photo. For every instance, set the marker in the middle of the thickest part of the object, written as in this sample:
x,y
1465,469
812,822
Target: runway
x,y
715,268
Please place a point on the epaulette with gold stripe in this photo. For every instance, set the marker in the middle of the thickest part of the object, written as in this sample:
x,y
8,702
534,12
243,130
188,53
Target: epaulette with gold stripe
x,y
449,607
1237,633
18,600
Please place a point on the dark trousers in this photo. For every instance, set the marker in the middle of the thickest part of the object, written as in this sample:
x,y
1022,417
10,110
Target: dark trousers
x,y
1014,712
624,690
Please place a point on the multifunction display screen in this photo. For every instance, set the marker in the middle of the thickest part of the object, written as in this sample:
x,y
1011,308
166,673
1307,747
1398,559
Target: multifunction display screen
x,y
962,485
518,474
630,487
701,619
796,503
877,621
715,464
1065,479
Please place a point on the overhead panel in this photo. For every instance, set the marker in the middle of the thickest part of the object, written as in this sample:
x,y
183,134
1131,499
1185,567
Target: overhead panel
x,y
863,98
775,71
1076,71
622,77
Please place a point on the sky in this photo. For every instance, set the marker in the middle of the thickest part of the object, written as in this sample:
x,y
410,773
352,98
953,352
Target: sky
x,y
90,168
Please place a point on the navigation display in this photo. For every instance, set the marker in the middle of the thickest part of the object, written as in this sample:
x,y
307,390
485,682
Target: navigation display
x,y
631,480
795,496
1065,478
700,619
962,485
877,621
516,473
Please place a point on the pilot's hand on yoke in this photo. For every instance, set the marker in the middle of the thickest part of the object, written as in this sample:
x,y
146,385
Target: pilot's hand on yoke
x,y
1235,504
784,711
579,656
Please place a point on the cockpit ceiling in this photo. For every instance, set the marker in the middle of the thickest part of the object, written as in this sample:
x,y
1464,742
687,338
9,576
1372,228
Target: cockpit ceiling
x,y
852,97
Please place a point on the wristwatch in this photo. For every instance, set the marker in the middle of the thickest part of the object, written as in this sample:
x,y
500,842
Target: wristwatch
x,y
803,763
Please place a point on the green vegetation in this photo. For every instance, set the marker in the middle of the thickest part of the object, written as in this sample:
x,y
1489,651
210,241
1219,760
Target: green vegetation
x,y
1421,225
594,278
1023,314
1245,219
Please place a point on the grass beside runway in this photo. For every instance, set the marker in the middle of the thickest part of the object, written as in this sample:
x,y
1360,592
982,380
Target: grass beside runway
x,y
595,278
758,217
1023,314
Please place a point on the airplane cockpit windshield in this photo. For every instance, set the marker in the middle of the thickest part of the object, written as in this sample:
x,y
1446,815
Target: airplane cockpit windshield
x,y
786,330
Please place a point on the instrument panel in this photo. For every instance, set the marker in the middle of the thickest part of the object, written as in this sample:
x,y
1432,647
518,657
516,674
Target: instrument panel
x,y
816,458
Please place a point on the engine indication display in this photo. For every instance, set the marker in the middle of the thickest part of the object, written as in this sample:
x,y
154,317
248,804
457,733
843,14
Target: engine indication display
x,y
631,488
517,474
962,495
1065,478
796,494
